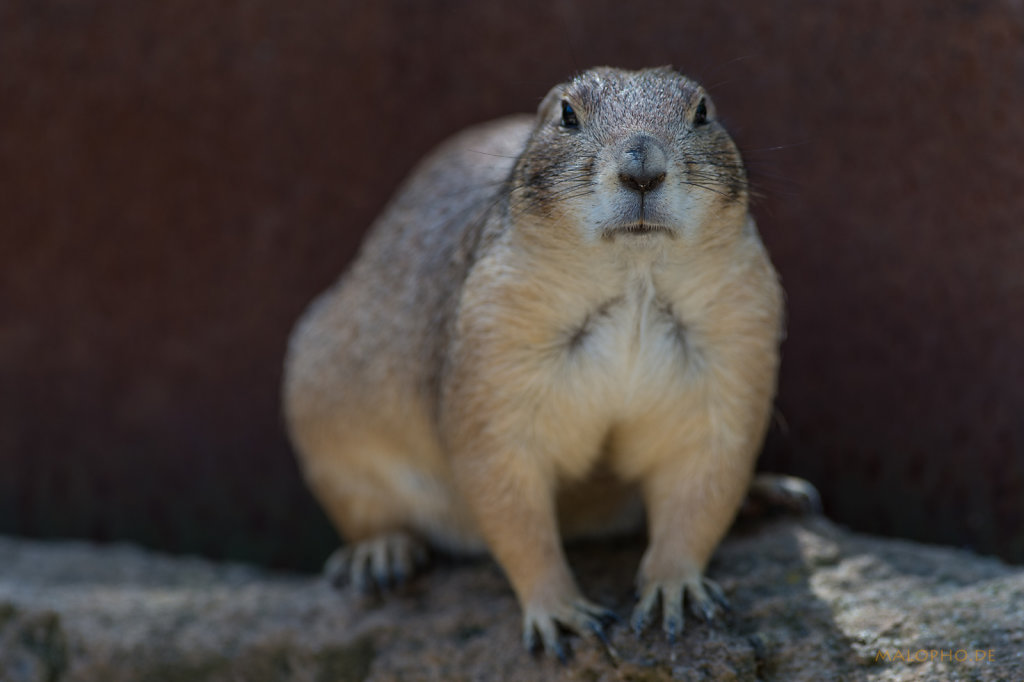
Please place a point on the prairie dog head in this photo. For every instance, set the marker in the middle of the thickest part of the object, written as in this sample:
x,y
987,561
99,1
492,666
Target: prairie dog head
x,y
632,157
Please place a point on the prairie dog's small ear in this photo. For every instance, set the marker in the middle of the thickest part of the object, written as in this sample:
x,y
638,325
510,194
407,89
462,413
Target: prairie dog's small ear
x,y
703,109
547,104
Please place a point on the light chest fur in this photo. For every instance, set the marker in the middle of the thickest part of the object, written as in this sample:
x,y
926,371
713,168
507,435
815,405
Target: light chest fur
x,y
585,342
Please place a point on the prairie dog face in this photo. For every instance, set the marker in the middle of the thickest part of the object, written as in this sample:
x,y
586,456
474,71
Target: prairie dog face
x,y
630,157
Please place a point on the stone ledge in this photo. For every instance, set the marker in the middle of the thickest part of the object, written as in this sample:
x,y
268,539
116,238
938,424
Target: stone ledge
x,y
810,601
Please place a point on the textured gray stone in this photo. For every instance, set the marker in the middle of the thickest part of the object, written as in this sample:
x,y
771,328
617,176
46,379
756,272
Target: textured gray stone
x,y
811,601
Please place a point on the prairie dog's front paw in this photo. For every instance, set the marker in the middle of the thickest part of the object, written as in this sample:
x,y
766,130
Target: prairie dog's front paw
x,y
705,598
541,624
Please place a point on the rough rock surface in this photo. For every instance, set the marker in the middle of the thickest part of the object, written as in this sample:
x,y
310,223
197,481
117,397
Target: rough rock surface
x,y
810,601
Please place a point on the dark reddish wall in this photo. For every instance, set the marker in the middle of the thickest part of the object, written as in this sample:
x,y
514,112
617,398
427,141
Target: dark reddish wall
x,y
178,179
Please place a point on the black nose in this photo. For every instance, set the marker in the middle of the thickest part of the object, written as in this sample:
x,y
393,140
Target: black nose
x,y
642,163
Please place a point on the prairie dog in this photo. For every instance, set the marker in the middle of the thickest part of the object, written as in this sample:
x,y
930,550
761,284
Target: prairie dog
x,y
561,325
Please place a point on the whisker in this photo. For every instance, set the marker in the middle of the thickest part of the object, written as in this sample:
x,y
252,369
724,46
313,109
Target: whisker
x,y
497,156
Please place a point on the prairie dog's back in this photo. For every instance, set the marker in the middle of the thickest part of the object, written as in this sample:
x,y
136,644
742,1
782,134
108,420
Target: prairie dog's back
x,y
384,330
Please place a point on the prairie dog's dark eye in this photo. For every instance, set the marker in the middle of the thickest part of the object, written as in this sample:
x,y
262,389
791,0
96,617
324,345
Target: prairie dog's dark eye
x,y
700,114
569,119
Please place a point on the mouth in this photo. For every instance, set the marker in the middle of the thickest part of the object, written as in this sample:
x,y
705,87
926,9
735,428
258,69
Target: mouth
x,y
635,229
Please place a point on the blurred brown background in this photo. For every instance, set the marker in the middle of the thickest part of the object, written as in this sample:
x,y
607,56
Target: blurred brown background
x,y
177,180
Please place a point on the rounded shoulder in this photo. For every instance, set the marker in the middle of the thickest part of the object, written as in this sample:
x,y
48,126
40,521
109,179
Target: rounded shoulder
x,y
489,148
500,136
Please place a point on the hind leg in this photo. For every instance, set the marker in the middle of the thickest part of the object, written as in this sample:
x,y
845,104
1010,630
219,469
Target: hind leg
x,y
385,500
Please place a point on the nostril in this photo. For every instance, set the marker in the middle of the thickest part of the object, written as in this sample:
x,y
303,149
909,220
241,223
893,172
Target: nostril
x,y
642,182
642,163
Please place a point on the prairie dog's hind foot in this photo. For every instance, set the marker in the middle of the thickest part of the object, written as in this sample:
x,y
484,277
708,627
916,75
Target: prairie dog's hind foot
x,y
380,563
778,492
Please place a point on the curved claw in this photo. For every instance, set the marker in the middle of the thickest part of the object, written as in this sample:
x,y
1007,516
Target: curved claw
x,y
700,603
336,568
672,619
717,594
643,612
600,616
598,630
